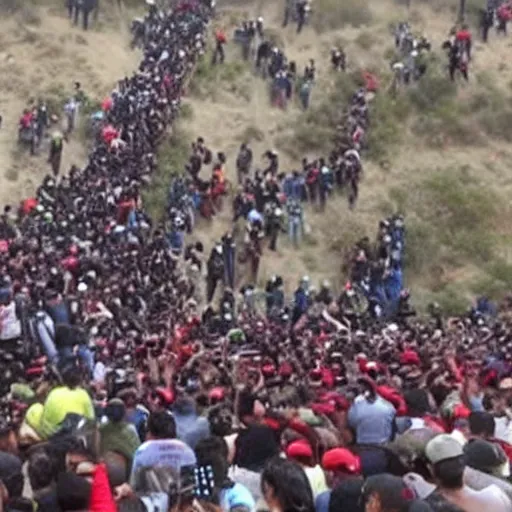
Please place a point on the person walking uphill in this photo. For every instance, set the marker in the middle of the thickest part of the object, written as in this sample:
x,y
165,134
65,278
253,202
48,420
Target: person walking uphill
x,y
220,41
55,157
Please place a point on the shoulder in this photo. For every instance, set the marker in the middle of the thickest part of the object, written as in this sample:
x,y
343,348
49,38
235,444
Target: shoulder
x,y
239,496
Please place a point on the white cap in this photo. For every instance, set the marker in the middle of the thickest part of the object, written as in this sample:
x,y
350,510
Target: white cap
x,y
82,287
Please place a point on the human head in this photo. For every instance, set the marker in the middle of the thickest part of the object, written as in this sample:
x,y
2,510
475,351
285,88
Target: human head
x,y
11,474
487,457
341,463
70,374
115,410
482,424
386,493
346,496
446,457
285,486
213,451
40,470
161,425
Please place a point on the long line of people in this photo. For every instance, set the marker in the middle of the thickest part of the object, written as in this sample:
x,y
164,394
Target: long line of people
x,y
142,403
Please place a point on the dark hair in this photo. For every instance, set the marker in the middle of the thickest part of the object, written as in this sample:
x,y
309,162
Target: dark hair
x,y
131,505
417,402
346,496
71,376
40,470
213,451
290,485
220,420
482,423
161,425
245,404
450,473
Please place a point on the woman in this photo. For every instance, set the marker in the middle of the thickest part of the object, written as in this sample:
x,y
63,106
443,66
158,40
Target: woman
x,y
285,487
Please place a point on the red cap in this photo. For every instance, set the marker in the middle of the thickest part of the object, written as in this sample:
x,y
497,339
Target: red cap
x,y
460,411
323,408
35,371
341,459
286,370
217,394
166,395
268,370
409,357
300,448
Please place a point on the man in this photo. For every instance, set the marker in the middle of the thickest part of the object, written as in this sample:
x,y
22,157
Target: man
x,y
190,427
70,398
118,435
447,465
372,417
220,41
55,156
161,447
11,484
340,465
243,162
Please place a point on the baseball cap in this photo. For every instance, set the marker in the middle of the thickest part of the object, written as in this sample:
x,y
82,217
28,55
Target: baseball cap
x,y
299,448
341,459
443,447
485,456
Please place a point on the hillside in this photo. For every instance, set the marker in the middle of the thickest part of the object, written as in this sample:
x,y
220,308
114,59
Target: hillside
x,y
438,152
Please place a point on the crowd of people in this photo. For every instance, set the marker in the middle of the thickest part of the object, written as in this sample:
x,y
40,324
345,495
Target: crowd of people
x,y
271,62
119,394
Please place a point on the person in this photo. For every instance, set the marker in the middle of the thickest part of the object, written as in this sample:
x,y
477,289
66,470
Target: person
x,y
372,417
447,464
285,487
220,41
117,435
161,446
191,427
243,162
386,493
213,452
55,155
253,433
70,398
42,479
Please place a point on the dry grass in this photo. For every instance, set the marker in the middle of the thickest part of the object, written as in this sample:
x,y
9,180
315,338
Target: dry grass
x,y
332,14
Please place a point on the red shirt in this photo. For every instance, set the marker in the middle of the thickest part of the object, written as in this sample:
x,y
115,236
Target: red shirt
x,y
463,35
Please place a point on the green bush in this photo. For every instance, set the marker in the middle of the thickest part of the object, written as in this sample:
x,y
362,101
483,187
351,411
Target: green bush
x,y
172,156
432,91
333,14
388,116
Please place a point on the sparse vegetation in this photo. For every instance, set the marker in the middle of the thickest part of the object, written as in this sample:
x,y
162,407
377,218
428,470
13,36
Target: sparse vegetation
x,y
209,80
332,14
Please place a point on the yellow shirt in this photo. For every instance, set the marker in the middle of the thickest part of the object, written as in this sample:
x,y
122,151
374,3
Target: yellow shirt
x,y
60,402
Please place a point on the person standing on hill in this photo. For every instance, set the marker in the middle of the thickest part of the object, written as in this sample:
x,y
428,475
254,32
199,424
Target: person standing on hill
x,y
220,41
55,156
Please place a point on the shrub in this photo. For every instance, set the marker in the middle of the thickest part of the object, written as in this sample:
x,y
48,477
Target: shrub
x,y
172,157
387,117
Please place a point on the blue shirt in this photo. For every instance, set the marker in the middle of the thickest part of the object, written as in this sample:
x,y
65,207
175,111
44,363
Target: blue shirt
x,y
236,496
372,421
322,501
190,427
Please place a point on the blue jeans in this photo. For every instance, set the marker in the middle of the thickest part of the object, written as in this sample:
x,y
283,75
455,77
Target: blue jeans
x,y
295,231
